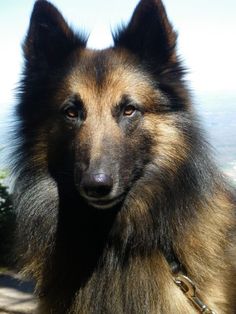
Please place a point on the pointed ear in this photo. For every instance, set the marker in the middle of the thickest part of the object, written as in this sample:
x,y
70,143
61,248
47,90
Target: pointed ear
x,y
49,39
149,35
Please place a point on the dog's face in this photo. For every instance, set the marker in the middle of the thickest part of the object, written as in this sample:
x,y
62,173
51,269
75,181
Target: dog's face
x,y
108,104
106,118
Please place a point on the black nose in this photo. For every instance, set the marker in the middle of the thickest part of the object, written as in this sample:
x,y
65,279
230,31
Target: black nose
x,y
96,185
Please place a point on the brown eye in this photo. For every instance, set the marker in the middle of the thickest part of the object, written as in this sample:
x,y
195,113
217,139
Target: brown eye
x,y
71,112
129,110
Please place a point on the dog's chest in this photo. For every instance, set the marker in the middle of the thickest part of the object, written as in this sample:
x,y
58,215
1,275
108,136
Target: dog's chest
x,y
136,289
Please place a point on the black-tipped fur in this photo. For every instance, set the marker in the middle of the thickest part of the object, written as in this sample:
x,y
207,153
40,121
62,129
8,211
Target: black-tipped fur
x,y
49,39
123,113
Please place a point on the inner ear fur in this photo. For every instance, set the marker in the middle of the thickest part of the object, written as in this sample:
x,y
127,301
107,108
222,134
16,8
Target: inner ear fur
x,y
149,35
49,38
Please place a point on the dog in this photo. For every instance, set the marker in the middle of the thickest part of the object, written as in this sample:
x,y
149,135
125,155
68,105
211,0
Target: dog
x,y
120,206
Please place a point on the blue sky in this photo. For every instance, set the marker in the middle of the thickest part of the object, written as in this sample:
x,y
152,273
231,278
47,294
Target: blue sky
x,y
207,37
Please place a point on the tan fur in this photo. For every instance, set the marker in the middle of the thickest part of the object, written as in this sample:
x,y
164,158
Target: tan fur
x,y
213,273
210,269
167,201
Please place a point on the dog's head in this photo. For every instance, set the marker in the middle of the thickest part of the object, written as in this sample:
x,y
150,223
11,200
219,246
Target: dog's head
x,y
110,119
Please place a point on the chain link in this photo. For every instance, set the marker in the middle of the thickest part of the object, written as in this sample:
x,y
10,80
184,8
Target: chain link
x,y
189,289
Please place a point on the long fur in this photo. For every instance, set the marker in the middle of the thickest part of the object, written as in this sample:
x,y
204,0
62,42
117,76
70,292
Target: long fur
x,y
176,204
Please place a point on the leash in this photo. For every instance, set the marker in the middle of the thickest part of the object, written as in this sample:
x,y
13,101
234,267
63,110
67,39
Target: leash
x,y
187,286
189,289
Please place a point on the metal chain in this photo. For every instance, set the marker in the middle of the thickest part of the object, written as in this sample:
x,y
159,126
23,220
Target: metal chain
x,y
189,289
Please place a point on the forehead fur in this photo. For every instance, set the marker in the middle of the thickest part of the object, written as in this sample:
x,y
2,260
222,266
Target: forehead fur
x,y
106,76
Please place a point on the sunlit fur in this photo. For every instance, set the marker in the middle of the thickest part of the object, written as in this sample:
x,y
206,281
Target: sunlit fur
x,y
168,200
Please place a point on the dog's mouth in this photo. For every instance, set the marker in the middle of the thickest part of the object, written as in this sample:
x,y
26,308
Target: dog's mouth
x,y
105,203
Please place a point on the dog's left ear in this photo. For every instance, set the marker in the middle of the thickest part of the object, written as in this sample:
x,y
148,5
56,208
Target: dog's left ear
x,y
149,35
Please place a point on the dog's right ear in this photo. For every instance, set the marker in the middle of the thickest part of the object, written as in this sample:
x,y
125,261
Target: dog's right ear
x,y
49,39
